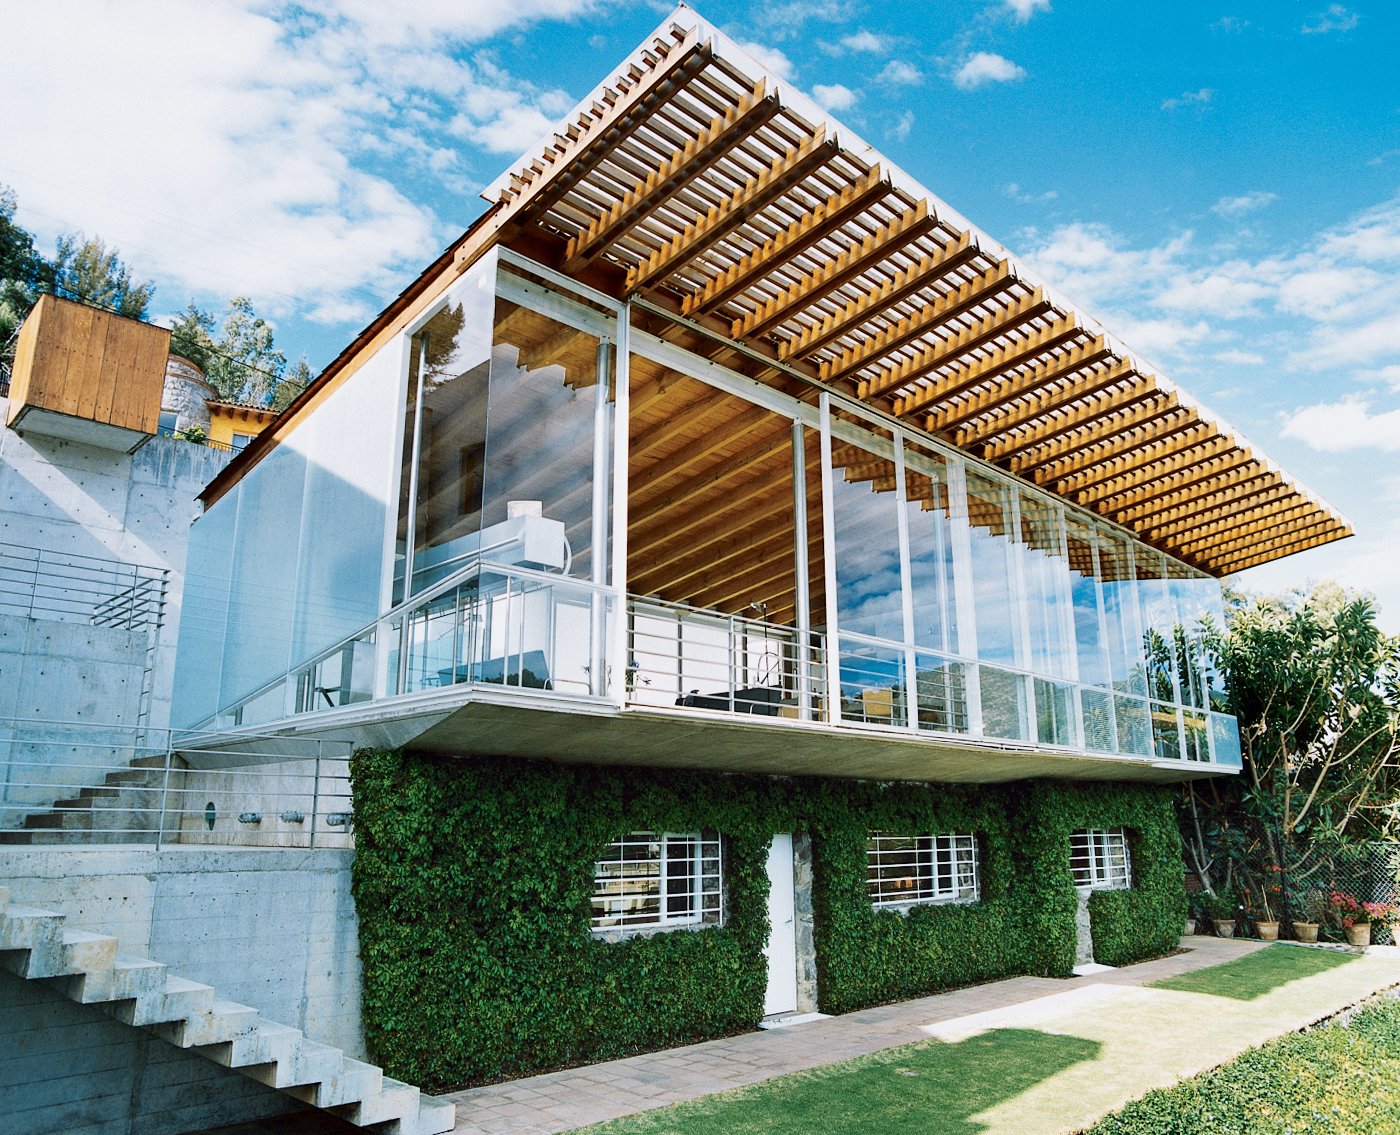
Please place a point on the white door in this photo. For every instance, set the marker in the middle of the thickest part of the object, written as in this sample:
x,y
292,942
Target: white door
x,y
781,950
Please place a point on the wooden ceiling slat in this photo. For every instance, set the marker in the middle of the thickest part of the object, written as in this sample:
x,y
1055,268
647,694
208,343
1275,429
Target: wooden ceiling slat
x,y
796,239
904,284
1113,428
719,222
934,314
1074,417
968,376
1163,475
698,154
935,355
1263,489
837,273
1323,533
1051,398
1186,488
1107,462
994,396
1208,537
741,426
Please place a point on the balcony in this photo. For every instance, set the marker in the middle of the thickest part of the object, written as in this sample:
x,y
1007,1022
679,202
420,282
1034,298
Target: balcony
x,y
504,660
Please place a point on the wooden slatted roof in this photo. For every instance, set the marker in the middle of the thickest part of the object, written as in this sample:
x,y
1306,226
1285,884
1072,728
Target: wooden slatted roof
x,y
715,191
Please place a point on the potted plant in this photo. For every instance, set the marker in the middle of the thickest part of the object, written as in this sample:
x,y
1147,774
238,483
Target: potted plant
x,y
1312,906
1355,916
1223,908
1261,904
1197,912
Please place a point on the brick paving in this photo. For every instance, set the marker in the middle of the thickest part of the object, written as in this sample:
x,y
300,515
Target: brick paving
x,y
577,1097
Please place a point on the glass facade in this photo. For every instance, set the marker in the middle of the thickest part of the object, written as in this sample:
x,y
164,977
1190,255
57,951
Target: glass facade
x,y
447,517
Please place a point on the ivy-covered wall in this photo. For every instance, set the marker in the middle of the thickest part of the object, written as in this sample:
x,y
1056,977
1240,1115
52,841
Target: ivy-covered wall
x,y
473,878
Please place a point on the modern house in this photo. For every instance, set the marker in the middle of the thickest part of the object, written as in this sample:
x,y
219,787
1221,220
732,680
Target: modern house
x,y
754,591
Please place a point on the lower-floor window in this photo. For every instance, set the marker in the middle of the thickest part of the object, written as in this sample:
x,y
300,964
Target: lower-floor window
x,y
902,869
659,879
1099,860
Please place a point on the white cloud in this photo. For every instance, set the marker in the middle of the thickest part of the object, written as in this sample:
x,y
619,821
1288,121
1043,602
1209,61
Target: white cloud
x,y
1200,98
264,143
1016,193
1023,10
903,125
983,67
1336,427
867,42
1244,203
1230,24
1336,18
1236,358
772,59
1229,292
835,97
899,73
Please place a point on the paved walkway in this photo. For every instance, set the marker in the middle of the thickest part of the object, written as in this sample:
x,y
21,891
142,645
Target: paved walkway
x,y
562,1101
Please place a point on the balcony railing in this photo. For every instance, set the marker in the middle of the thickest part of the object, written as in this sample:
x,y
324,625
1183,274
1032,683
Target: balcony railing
x,y
67,587
495,626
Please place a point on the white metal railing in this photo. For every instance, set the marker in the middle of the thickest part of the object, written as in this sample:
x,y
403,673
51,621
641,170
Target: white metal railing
x,y
77,783
40,584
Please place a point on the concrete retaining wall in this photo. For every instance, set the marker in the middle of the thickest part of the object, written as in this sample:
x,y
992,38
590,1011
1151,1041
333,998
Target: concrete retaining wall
x,y
272,928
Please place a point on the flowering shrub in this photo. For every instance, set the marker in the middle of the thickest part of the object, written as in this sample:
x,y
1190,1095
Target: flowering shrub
x,y
1350,911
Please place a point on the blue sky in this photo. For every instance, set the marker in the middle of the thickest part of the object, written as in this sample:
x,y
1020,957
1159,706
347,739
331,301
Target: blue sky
x,y
1218,183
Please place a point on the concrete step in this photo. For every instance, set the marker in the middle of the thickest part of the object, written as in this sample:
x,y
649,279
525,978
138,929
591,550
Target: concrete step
x,y
177,997
435,1117
126,978
353,1082
308,1062
225,1021
395,1100
31,941
4,898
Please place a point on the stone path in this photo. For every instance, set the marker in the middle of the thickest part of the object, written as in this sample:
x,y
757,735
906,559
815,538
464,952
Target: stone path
x,y
563,1101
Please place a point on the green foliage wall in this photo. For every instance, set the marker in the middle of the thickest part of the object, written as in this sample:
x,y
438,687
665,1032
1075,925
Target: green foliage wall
x,y
473,877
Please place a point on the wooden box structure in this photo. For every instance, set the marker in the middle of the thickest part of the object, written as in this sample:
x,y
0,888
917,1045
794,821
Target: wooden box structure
x,y
86,375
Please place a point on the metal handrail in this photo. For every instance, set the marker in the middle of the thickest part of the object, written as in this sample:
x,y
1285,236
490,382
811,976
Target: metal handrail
x,y
39,583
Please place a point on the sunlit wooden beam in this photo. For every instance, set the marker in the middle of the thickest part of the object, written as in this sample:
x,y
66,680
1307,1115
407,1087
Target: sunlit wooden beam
x,y
1268,486
1245,528
1269,550
1128,427
743,427
698,154
1163,474
703,234
797,238
1182,489
837,272
1108,461
1078,416
1048,400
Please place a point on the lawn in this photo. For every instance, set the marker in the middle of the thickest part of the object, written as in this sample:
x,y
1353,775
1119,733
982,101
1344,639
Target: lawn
x,y
1254,975
1060,1063
1329,1080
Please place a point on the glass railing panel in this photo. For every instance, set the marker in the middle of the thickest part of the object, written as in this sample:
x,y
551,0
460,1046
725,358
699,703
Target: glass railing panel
x,y
1096,708
1134,725
1166,740
1195,732
1004,708
872,683
1225,740
940,686
1054,714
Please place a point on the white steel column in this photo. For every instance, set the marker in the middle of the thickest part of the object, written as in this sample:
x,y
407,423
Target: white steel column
x,y
963,600
800,562
619,649
833,638
906,589
598,622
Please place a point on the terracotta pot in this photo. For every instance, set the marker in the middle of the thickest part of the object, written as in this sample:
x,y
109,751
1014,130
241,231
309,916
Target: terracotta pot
x,y
1190,926
1224,927
1305,931
1268,931
1358,935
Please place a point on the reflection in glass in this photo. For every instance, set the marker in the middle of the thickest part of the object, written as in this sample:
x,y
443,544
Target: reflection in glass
x,y
929,515
869,596
1045,572
994,597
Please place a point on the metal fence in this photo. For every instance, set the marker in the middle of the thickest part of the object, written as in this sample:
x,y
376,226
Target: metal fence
x,y
79,784
40,584
1367,871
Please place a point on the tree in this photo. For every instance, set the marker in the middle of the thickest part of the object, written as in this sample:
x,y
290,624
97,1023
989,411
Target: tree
x,y
292,384
1315,686
245,366
23,272
85,270
192,336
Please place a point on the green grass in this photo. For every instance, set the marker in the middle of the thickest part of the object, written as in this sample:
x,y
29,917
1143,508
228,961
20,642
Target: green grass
x,y
1333,1079
915,1089
1256,974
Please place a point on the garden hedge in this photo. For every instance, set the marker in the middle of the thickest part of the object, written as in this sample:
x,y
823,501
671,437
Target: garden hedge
x,y
472,881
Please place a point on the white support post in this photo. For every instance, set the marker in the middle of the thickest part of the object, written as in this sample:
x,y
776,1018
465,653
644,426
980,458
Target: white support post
x,y
963,594
618,652
906,590
800,562
832,661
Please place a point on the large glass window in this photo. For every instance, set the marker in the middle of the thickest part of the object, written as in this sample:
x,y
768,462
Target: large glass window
x,y
994,594
865,517
929,515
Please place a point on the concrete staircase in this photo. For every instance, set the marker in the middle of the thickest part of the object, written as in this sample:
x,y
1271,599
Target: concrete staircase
x,y
125,806
86,967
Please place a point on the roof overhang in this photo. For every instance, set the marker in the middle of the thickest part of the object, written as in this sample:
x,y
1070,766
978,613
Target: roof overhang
x,y
783,244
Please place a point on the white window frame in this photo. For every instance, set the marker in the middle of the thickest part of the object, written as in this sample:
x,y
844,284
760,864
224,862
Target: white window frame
x,y
640,866
1100,859
942,869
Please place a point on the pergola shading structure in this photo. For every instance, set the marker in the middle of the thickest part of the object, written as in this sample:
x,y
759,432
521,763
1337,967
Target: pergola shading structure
x,y
760,234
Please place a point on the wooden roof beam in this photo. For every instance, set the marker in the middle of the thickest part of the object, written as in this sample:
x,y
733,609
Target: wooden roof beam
x,y
1108,462
1183,490
726,433
1270,550
837,273
918,276
1141,420
699,154
1238,531
585,144
1162,475
1075,417
797,238
700,236
969,376
1049,399
931,356
1265,488
994,396
655,436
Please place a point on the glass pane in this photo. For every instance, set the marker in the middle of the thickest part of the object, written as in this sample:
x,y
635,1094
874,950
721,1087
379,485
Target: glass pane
x,y
1003,704
1134,726
1125,658
1096,707
1045,571
1054,723
1091,648
1166,740
940,686
1160,627
994,597
869,596
872,684
929,518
